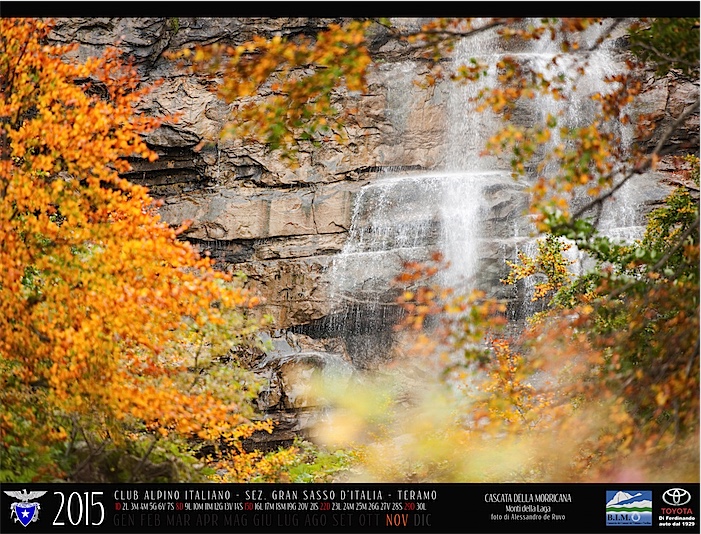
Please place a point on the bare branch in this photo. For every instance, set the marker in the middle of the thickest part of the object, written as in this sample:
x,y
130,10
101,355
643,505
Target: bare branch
x,y
665,56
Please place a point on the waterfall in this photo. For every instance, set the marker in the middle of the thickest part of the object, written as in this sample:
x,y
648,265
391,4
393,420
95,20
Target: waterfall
x,y
619,218
471,209
466,172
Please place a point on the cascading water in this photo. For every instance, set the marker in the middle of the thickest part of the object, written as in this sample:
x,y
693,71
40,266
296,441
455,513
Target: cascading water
x,y
471,210
466,173
404,217
618,219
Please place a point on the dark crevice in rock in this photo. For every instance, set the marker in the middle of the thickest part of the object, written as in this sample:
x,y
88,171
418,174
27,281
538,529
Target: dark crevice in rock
x,y
383,168
231,251
177,170
155,178
366,328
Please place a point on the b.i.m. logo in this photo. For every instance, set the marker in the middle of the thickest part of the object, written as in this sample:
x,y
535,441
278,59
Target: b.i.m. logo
x,y
628,508
25,512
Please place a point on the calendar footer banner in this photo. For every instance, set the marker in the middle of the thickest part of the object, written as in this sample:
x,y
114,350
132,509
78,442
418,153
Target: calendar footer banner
x,y
346,508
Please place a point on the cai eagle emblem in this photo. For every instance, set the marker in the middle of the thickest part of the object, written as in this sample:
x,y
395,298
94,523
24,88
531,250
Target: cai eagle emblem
x,y
25,512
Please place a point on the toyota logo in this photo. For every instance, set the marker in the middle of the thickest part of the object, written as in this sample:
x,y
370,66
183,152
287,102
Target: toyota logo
x,y
676,496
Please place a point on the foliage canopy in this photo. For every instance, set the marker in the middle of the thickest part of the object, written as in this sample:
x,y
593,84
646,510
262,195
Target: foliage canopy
x,y
100,303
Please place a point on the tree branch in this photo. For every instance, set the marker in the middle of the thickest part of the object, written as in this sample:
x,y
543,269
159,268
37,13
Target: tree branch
x,y
665,56
694,227
644,165
138,468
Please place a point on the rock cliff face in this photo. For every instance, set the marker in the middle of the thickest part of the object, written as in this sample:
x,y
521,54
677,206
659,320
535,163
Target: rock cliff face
x,y
285,227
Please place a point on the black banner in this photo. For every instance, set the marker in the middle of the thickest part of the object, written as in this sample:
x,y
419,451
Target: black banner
x,y
344,508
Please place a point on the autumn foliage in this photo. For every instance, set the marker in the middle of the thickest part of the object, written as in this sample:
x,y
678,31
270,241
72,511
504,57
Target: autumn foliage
x,y
298,77
105,315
